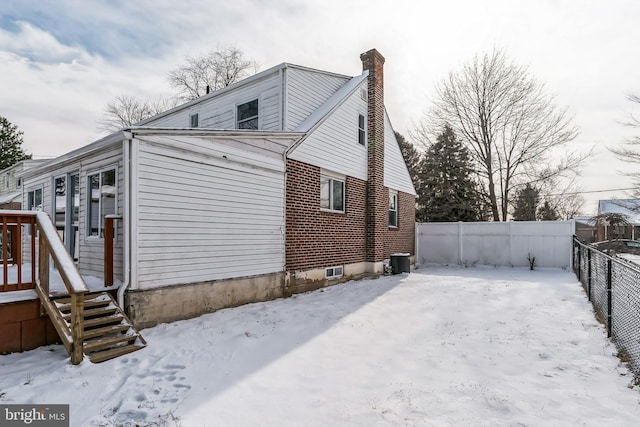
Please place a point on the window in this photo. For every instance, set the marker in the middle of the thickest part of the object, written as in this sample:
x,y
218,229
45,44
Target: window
x,y
333,272
331,194
393,208
362,133
18,182
194,120
247,115
34,200
101,201
7,180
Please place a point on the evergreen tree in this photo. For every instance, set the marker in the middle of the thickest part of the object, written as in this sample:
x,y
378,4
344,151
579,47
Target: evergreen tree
x,y
447,190
526,204
412,158
11,151
546,212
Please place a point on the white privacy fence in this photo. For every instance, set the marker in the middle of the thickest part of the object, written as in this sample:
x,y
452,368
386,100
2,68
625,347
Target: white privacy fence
x,y
496,243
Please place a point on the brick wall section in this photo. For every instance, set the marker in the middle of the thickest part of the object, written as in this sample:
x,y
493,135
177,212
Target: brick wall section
x,y
315,238
377,194
402,238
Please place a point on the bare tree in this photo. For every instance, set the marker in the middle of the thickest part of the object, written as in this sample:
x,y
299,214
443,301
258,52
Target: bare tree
x,y
214,70
631,151
125,110
508,122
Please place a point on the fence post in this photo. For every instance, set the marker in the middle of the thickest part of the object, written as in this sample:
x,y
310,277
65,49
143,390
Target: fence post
x,y
589,274
609,311
579,263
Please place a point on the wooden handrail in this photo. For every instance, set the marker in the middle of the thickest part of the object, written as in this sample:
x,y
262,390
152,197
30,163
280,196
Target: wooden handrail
x,y
50,246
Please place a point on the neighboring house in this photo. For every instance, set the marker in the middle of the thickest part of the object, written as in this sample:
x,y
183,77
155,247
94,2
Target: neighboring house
x,y
585,229
287,181
630,208
11,184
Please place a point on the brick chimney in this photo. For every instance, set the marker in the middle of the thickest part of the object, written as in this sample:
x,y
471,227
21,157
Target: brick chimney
x,y
377,197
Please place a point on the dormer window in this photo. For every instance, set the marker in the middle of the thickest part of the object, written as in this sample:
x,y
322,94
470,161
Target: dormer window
x,y
247,115
194,120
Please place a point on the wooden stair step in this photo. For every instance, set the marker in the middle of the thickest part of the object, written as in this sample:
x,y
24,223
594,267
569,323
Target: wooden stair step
x,y
87,296
101,356
100,321
87,304
97,332
107,342
95,312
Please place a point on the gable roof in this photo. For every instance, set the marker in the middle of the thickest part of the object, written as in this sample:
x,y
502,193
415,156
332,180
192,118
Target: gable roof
x,y
628,207
234,86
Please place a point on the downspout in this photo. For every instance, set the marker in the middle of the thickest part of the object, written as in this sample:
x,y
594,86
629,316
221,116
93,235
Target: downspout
x,y
126,153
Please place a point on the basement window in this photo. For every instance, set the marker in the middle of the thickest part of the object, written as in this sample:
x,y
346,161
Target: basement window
x,y
247,115
331,194
333,272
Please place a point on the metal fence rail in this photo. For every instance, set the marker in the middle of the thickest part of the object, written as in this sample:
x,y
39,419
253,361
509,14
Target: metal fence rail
x,y
613,287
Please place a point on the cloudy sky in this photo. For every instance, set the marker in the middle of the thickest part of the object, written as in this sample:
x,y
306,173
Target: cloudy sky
x,y
61,61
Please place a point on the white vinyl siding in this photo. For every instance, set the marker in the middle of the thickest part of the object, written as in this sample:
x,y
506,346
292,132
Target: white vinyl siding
x,y
333,145
219,111
306,91
396,174
207,210
91,250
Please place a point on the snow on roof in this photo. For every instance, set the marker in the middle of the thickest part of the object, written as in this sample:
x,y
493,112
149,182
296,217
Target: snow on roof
x,y
586,220
628,207
13,197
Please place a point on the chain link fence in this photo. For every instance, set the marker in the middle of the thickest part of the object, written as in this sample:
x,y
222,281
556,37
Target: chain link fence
x,y
613,287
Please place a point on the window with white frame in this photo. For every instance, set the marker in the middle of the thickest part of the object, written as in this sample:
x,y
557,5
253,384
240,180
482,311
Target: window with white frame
x,y
34,200
247,115
393,208
362,132
331,193
193,118
102,190
333,272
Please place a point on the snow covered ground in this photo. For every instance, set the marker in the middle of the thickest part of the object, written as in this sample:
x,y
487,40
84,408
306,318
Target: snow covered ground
x,y
437,347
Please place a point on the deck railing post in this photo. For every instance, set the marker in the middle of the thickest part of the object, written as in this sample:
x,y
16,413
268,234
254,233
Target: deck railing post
x,y
108,249
43,263
609,299
77,327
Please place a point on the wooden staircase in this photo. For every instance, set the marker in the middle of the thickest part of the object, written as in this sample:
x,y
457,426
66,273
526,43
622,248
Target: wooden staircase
x,y
108,333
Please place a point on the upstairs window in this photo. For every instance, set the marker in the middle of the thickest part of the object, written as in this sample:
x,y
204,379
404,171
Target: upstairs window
x,y
393,208
247,115
102,200
18,183
331,194
194,120
362,133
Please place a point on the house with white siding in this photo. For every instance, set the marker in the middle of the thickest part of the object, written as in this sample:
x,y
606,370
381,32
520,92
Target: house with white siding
x,y
287,181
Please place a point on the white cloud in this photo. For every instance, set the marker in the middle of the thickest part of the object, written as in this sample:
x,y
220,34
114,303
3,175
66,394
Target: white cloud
x,y
38,45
